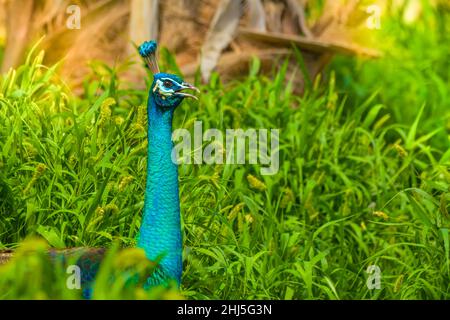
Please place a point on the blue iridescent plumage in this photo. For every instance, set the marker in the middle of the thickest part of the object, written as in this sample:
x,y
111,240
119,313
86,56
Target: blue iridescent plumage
x,y
160,232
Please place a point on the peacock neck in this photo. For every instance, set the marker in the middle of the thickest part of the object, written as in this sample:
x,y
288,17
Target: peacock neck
x,y
160,233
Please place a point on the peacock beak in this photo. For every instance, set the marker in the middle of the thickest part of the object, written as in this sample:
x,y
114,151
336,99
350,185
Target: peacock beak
x,y
187,86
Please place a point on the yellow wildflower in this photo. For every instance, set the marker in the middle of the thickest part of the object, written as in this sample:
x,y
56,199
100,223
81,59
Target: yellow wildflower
x,y
288,198
381,214
401,151
105,110
124,182
233,213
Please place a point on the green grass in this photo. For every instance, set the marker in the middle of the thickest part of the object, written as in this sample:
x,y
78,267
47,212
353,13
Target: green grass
x,y
363,181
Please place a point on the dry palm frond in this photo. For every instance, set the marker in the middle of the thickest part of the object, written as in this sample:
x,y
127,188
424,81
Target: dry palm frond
x,y
232,64
100,25
314,45
99,37
334,23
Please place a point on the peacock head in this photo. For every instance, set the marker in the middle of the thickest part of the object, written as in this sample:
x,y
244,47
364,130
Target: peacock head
x,y
168,90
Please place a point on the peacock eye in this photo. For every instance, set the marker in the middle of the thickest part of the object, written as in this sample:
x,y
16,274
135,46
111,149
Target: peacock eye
x,y
168,84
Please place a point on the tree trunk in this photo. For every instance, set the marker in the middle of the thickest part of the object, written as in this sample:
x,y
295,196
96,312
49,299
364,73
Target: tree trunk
x,y
17,26
144,22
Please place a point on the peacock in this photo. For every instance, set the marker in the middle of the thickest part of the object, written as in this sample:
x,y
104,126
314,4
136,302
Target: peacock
x,y
160,232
